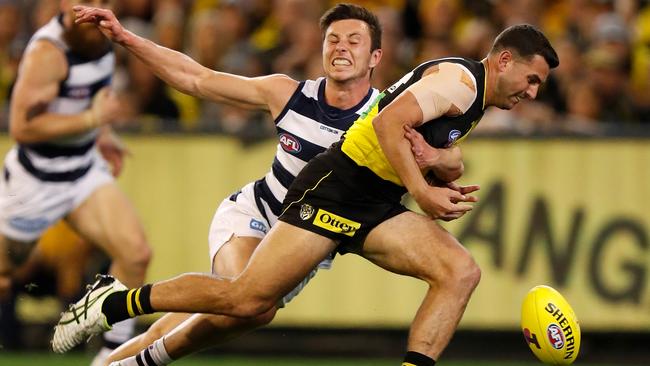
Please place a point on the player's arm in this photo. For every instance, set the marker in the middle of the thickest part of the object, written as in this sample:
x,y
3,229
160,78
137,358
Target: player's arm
x,y
445,163
42,68
423,101
185,74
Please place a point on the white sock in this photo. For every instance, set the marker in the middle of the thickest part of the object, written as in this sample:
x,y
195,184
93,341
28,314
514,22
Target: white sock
x,y
121,332
154,355
159,352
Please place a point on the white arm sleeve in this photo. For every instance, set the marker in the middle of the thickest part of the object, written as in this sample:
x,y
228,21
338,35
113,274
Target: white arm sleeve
x,y
450,85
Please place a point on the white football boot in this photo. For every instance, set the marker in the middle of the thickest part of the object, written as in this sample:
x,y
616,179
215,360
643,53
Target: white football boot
x,y
85,319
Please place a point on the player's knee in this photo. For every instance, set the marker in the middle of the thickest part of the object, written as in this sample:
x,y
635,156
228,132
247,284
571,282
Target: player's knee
x,y
265,318
254,307
466,273
137,258
460,274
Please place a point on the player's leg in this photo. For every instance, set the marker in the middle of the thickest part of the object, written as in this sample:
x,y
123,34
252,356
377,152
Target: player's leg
x,y
157,330
202,331
12,254
414,245
109,220
284,258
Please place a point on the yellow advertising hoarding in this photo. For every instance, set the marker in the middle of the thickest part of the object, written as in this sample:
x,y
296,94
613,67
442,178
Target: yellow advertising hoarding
x,y
570,214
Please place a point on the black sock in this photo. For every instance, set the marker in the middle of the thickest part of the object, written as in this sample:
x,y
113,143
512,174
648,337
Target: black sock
x,y
417,359
127,304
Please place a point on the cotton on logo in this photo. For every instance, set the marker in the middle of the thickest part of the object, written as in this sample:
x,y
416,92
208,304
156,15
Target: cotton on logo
x,y
289,143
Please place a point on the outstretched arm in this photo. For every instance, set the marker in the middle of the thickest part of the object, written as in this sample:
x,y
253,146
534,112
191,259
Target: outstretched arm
x,y
183,73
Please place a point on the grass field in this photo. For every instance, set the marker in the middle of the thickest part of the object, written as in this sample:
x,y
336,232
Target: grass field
x,y
31,359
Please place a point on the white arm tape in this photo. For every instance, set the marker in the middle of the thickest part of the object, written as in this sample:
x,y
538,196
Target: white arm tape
x,y
451,85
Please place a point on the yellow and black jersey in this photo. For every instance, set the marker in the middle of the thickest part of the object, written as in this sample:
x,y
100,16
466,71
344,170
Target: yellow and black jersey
x,y
361,143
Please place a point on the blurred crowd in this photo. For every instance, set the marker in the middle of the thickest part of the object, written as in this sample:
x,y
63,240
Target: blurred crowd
x,y
601,86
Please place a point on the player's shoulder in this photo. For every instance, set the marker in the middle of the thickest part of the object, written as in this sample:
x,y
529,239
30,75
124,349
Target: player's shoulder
x,y
45,56
458,72
45,51
279,83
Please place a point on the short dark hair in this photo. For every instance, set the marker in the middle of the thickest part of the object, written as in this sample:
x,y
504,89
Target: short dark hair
x,y
526,41
350,11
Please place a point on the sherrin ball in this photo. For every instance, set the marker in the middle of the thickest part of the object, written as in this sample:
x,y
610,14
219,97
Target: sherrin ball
x,y
550,326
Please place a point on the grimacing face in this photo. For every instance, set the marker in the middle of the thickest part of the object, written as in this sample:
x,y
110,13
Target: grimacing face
x,y
346,50
521,79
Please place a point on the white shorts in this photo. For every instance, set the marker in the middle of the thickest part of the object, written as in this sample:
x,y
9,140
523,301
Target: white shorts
x,y
28,206
241,217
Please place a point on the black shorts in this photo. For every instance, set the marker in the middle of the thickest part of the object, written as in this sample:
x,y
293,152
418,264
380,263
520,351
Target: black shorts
x,y
334,197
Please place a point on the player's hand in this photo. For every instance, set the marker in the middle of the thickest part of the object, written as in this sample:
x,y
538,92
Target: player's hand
x,y
465,190
113,150
104,19
105,107
425,155
444,203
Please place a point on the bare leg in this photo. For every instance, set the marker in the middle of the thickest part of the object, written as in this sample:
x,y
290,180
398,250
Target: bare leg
x,y
185,335
108,220
417,246
12,254
285,256
158,329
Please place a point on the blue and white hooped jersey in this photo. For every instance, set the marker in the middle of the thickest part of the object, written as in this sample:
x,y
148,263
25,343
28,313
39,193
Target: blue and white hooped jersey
x,y
306,127
68,158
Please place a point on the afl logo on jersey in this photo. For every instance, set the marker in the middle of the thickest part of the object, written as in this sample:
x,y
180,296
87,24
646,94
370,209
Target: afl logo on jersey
x,y
453,136
289,143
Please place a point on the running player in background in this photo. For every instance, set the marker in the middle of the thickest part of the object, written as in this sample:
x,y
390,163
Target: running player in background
x,y
60,250
58,105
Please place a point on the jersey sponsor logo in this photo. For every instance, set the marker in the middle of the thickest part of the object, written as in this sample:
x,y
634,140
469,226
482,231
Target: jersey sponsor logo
x,y
289,143
453,136
555,336
328,129
258,225
306,211
29,225
335,223
79,92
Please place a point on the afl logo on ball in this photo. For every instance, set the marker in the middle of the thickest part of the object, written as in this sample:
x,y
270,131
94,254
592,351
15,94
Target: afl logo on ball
x,y
555,336
289,143
306,211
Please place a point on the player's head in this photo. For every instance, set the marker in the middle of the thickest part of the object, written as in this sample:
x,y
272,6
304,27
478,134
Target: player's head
x,y
85,38
522,57
351,42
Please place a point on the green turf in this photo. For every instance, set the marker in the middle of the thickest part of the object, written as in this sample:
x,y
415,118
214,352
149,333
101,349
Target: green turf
x,y
37,359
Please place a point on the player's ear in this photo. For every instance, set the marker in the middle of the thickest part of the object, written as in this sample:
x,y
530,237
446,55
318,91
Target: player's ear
x,y
504,58
375,57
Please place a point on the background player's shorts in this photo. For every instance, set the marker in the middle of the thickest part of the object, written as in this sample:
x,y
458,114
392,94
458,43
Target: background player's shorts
x,y
238,215
336,198
28,205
